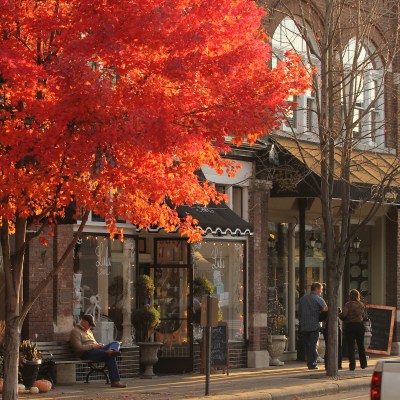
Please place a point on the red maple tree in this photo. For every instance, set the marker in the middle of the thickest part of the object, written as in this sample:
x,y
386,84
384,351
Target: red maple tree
x,y
113,105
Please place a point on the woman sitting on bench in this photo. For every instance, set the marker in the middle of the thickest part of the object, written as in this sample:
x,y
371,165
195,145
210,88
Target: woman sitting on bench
x,y
86,346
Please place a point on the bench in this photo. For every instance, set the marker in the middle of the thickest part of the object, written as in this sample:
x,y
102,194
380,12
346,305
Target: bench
x,y
61,353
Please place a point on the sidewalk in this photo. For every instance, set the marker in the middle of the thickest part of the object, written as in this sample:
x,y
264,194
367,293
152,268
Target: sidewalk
x,y
289,382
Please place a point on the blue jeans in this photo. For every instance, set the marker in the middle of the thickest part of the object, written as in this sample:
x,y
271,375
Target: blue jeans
x,y
101,356
310,343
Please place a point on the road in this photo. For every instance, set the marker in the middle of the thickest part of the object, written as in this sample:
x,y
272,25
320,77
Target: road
x,y
358,395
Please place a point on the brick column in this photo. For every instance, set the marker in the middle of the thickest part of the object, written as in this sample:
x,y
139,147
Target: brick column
x,y
50,318
392,270
38,263
63,285
257,283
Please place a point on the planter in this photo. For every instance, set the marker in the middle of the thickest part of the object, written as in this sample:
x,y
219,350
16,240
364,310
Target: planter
x,y
29,372
276,346
149,357
321,348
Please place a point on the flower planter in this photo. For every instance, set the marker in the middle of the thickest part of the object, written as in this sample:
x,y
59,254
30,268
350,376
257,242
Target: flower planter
x,y
149,357
276,346
29,372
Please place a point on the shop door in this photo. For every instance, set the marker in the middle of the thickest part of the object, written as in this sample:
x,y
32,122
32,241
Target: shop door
x,y
172,299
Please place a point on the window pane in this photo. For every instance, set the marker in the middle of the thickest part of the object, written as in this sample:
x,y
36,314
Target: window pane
x,y
99,282
222,264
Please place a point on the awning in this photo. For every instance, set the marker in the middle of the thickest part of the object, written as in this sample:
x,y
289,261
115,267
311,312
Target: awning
x,y
366,167
217,219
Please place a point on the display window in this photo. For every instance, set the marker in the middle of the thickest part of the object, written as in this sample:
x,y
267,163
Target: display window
x,y
103,280
222,264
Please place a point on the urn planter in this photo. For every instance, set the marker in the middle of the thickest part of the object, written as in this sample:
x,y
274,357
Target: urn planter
x,y
29,371
149,357
276,346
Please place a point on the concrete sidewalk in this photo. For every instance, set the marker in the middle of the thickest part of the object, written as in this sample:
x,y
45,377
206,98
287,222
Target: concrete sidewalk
x,y
292,381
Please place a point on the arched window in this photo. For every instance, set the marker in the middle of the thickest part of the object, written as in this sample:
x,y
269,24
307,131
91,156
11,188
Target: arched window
x,y
288,37
363,95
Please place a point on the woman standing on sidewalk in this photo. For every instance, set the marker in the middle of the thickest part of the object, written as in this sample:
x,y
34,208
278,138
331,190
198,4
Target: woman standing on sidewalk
x,y
353,315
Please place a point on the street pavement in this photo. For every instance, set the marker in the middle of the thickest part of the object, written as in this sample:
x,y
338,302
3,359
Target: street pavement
x,y
293,381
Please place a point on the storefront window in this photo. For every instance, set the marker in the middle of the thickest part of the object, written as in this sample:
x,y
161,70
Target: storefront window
x,y
103,278
315,256
222,263
278,278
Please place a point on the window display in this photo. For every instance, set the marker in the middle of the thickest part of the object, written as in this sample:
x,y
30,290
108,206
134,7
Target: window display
x,y
222,263
103,278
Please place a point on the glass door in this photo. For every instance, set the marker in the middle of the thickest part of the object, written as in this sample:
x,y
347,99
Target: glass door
x,y
172,298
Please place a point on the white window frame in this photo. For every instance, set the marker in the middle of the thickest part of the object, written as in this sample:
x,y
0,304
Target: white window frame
x,y
305,121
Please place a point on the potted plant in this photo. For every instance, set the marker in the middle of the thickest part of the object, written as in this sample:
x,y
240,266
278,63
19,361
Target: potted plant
x,y
145,320
201,287
30,359
276,341
144,286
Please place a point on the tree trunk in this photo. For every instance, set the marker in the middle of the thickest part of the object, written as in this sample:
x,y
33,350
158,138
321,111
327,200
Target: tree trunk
x,y
332,290
13,334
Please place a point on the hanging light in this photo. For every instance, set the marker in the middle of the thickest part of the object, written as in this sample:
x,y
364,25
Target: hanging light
x,y
271,241
356,242
312,240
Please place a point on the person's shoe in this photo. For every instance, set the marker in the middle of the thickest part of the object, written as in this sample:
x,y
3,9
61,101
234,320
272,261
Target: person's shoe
x,y
118,384
314,367
112,353
352,369
365,366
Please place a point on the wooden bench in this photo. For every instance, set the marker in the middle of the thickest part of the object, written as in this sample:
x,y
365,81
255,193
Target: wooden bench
x,y
61,353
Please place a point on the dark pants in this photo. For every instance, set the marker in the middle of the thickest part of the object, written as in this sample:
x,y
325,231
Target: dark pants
x,y
310,340
101,356
354,333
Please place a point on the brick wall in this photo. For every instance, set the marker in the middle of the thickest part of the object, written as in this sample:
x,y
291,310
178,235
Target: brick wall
x,y
50,318
38,263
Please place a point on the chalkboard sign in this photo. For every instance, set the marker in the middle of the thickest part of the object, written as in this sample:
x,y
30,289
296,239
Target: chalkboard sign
x,y
382,322
219,347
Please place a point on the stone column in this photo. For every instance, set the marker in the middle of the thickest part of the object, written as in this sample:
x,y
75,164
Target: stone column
x,y
128,258
257,283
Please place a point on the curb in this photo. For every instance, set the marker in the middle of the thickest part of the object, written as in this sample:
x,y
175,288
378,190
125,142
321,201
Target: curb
x,y
295,392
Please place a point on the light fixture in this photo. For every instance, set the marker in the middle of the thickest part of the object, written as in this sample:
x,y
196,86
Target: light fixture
x,y
312,240
356,242
271,241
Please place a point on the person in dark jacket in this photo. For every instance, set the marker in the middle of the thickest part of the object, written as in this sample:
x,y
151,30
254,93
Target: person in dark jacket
x,y
353,315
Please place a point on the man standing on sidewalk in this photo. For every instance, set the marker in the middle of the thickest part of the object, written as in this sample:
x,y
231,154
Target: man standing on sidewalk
x,y
310,307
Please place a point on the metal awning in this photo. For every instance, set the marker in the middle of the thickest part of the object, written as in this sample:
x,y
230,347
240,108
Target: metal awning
x,y
368,169
217,219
